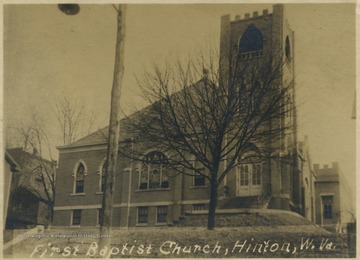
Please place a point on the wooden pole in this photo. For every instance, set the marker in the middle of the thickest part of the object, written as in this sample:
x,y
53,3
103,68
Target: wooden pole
x,y
114,130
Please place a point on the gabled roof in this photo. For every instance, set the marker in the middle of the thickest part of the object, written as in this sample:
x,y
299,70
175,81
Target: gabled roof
x,y
28,175
13,164
100,136
21,156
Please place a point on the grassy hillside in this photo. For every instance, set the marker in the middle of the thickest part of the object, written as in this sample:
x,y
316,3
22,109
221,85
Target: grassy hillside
x,y
273,234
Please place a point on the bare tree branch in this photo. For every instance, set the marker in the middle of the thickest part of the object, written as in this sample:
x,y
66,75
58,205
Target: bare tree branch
x,y
196,112
42,177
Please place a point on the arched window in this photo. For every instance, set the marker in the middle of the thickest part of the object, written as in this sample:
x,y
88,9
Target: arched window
x,y
251,43
79,178
153,173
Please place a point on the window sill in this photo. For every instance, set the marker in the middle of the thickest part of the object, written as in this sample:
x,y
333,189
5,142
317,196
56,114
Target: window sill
x,y
74,226
161,224
141,225
149,190
198,187
99,192
77,194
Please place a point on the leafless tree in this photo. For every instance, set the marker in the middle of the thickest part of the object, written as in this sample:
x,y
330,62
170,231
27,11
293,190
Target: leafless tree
x,y
73,119
68,116
42,172
214,119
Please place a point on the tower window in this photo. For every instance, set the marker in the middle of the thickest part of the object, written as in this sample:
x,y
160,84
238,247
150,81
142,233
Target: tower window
x,y
251,43
327,206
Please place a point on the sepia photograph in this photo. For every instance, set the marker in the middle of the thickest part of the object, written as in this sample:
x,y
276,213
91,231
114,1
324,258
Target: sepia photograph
x,y
179,130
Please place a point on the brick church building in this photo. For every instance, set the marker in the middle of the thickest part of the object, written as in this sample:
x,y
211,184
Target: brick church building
x,y
144,194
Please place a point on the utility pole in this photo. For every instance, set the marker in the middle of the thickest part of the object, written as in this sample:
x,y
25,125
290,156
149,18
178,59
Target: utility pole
x,y
114,129
114,126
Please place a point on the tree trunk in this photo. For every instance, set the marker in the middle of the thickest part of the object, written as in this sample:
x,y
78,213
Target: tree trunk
x,y
212,205
114,131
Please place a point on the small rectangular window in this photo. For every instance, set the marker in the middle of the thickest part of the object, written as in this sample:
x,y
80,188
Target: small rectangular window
x,y
76,217
327,202
200,206
161,216
142,214
199,180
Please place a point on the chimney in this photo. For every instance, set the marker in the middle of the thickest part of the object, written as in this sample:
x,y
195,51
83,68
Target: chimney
x,y
265,12
255,14
237,17
247,16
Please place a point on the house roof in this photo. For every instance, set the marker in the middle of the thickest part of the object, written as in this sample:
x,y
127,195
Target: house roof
x,y
20,156
28,177
11,161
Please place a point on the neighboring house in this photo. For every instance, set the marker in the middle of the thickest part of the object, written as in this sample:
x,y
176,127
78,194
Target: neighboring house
x,y
327,187
147,193
30,203
10,168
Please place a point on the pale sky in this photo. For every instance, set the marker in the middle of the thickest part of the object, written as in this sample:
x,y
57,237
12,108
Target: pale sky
x,y
48,54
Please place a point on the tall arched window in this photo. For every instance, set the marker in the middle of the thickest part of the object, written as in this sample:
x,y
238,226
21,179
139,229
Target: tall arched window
x,y
153,173
79,178
251,43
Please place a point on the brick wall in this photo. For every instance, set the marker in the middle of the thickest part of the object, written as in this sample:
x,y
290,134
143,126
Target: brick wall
x,y
181,194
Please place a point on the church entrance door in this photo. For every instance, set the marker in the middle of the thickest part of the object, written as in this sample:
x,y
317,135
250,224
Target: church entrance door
x,y
248,180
